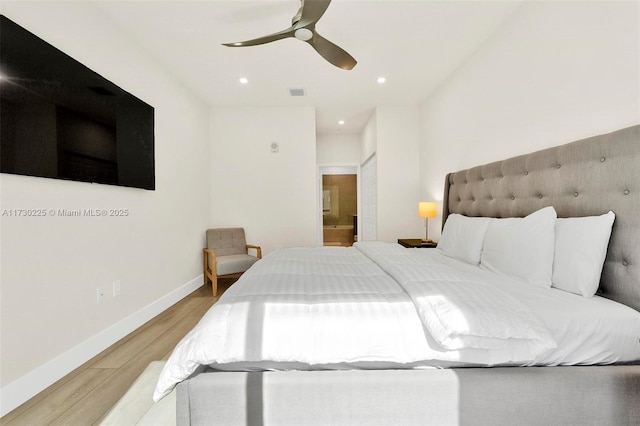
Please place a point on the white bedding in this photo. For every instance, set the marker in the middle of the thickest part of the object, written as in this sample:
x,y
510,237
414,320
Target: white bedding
x,y
586,330
373,305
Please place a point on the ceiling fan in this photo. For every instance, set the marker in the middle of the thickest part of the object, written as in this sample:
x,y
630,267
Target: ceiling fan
x,y
303,27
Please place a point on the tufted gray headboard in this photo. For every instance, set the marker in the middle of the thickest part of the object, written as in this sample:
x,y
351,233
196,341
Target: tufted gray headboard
x,y
584,178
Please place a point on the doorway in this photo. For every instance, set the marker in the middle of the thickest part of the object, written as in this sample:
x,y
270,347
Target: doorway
x,y
339,203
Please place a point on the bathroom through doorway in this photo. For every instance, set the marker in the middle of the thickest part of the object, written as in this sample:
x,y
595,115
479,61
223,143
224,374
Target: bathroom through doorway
x,y
339,205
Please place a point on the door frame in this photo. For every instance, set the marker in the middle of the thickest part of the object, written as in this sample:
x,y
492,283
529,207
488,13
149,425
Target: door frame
x,y
336,169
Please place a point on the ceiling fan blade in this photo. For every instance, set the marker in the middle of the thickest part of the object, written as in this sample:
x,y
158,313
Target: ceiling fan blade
x,y
332,53
311,11
262,40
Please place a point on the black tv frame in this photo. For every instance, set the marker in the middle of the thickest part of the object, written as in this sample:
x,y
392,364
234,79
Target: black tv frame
x,y
59,119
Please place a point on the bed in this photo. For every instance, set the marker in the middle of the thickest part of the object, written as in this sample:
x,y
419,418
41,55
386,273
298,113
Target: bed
x,y
339,335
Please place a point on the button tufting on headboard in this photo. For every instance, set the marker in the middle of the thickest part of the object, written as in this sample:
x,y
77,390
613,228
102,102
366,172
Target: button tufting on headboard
x,y
581,178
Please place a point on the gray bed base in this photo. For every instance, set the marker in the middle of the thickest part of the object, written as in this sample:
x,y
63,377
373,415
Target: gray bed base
x,y
602,395
587,177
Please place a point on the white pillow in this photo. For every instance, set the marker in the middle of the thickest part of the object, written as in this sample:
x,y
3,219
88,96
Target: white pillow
x,y
522,247
462,237
581,247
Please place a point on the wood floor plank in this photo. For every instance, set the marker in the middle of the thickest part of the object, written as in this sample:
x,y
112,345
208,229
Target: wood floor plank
x,y
135,403
92,389
124,352
64,397
116,354
166,356
35,401
200,309
97,403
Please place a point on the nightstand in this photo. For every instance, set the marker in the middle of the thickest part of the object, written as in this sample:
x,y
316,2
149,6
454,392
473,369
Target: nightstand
x,y
415,243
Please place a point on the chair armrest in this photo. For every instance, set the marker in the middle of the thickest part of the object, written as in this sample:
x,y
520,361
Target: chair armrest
x,y
210,252
258,249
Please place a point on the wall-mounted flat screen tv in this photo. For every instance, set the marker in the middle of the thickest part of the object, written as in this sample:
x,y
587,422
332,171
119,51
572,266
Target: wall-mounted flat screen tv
x,y
59,119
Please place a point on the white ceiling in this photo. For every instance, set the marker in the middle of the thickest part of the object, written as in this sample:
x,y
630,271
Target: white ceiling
x,y
416,45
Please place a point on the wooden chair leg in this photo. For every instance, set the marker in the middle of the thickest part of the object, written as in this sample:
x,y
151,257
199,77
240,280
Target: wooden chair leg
x,y
205,267
210,274
214,273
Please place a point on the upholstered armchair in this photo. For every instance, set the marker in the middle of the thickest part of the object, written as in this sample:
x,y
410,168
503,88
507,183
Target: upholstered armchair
x,y
226,255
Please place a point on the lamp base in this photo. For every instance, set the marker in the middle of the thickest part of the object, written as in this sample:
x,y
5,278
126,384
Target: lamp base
x,y
426,239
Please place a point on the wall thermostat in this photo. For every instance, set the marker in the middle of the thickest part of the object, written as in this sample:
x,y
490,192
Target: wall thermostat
x,y
275,147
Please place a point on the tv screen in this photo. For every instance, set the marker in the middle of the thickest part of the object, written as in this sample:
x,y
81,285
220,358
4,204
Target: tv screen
x,y
59,119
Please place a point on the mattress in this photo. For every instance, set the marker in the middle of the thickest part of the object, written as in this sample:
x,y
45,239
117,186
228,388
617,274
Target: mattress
x,y
371,307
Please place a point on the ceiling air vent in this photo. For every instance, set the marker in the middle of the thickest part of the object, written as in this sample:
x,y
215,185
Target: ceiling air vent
x,y
296,92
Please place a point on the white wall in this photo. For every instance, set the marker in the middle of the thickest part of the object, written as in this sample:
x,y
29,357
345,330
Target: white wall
x,y
556,72
368,221
398,173
369,138
272,195
338,149
52,266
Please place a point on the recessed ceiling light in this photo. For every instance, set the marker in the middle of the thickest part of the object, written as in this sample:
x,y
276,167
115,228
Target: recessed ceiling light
x,y
341,122
381,80
243,80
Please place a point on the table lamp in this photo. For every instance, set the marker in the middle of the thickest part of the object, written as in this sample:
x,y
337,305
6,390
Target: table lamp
x,y
427,209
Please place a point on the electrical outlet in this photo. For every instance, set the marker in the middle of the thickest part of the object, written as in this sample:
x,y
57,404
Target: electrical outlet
x,y
101,294
117,288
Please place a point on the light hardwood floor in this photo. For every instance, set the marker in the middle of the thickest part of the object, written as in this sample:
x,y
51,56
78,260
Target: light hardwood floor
x,y
85,396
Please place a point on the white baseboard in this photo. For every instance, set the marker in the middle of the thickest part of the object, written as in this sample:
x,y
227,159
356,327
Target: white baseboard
x,y
18,392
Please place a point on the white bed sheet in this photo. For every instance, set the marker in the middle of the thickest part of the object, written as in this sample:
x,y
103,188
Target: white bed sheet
x,y
334,308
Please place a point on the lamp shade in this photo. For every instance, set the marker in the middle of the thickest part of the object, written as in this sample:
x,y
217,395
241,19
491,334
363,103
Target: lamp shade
x,y
427,209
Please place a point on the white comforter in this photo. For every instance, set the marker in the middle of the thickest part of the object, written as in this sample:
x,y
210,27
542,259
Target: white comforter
x,y
377,305
462,311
